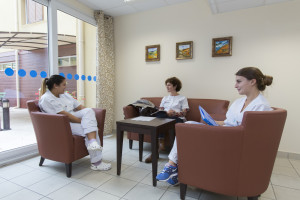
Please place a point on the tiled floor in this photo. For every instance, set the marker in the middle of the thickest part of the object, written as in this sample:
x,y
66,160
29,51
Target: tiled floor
x,y
26,180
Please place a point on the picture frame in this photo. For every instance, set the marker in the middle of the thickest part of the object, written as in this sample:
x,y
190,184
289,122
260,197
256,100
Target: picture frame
x,y
222,46
184,50
152,53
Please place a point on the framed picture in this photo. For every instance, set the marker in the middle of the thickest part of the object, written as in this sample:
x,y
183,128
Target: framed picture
x,y
184,50
221,46
152,53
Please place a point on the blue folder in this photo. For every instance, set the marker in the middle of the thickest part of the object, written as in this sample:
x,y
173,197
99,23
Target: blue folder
x,y
207,118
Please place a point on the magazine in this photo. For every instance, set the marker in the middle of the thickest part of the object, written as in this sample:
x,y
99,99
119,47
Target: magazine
x,y
207,118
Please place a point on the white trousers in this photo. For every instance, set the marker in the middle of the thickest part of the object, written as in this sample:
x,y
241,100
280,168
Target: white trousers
x,y
173,156
88,124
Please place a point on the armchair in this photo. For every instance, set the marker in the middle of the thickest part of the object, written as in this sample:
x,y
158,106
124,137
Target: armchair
x,y
54,137
234,161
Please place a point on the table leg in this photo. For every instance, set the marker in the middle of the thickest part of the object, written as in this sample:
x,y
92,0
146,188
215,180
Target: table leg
x,y
141,146
154,145
120,135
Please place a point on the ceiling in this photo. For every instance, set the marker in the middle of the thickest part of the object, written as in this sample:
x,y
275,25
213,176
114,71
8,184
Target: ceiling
x,y
119,7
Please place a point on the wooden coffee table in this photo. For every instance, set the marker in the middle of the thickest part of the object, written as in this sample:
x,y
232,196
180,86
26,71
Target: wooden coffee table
x,y
152,128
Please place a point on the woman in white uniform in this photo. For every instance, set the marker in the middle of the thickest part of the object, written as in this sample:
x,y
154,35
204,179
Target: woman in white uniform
x,y
82,120
175,105
250,81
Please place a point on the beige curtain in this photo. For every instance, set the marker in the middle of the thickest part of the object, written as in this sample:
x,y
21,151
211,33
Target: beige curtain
x,y
105,68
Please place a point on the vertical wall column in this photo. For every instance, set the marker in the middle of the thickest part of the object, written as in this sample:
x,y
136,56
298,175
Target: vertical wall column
x,y
52,38
80,60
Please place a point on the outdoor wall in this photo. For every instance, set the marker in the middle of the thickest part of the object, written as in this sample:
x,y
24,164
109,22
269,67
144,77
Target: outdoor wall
x,y
267,37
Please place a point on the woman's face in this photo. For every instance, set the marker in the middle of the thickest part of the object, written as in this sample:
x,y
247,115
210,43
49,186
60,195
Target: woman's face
x,y
61,87
170,87
243,85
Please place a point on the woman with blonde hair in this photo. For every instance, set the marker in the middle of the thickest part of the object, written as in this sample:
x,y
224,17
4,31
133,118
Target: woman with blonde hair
x,y
82,120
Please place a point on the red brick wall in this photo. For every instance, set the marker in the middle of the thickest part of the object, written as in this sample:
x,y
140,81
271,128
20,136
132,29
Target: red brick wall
x,y
33,60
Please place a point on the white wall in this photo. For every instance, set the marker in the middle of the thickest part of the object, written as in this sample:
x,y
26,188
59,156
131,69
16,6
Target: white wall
x,y
267,37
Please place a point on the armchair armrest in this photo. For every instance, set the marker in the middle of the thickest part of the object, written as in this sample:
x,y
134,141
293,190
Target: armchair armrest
x,y
210,153
54,135
130,112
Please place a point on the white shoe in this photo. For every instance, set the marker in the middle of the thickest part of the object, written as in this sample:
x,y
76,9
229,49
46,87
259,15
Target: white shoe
x,y
94,146
102,167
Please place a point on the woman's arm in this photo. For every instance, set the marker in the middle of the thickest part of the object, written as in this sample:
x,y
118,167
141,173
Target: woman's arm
x,y
71,117
80,107
221,123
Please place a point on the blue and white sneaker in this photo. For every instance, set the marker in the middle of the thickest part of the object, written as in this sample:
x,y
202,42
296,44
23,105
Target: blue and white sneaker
x,y
173,180
168,172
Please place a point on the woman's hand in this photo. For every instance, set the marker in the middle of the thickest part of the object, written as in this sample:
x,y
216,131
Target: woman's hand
x,y
171,113
71,117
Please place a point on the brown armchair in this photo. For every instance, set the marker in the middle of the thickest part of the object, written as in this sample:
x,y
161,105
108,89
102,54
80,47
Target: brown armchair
x,y
234,161
54,137
215,107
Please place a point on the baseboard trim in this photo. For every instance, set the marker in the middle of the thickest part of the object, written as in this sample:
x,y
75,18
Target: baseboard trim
x,y
18,154
283,154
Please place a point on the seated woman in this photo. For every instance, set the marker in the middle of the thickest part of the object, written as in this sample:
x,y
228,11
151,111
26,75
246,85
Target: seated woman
x,y
82,120
175,105
249,82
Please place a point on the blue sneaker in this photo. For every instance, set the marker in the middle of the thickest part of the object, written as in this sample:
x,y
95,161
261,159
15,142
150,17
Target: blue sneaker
x,y
173,180
167,172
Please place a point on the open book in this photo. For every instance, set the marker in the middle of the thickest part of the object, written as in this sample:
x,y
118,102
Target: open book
x,y
207,118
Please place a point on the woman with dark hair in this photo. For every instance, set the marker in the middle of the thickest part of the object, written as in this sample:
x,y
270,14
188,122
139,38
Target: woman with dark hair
x,y
175,105
250,81
82,120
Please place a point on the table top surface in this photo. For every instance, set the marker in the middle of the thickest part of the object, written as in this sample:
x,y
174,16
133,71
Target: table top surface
x,y
153,123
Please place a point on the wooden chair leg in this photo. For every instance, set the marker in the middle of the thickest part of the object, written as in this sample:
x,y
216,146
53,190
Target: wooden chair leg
x,y
69,170
183,188
41,161
130,144
253,198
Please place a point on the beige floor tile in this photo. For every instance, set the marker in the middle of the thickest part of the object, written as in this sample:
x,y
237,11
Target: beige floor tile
x,y
23,194
295,163
97,195
2,180
145,192
283,193
32,162
135,173
213,196
287,171
113,170
269,193
191,191
174,196
30,178
117,186
285,181
49,185
160,184
284,162
14,170
128,159
79,171
7,188
94,179
71,191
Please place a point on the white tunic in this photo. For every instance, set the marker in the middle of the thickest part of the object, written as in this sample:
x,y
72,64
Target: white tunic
x,y
53,105
234,116
177,103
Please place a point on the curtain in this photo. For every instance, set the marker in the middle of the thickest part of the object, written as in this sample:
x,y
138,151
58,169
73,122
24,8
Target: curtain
x,y
105,68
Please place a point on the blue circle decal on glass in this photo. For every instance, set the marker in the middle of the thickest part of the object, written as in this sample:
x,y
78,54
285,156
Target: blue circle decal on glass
x,y
62,74
69,76
43,74
9,71
33,73
76,77
95,78
89,78
22,72
83,77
